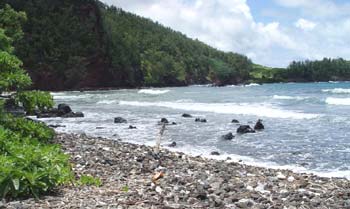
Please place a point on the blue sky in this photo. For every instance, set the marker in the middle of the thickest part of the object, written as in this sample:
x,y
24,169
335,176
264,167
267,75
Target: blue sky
x,y
270,32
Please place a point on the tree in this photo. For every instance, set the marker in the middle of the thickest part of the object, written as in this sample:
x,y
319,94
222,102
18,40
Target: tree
x,y
12,77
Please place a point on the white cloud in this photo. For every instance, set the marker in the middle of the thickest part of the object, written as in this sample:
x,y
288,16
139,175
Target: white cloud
x,y
305,25
229,25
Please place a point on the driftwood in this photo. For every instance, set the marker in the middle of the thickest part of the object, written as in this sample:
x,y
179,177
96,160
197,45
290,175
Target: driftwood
x,y
159,139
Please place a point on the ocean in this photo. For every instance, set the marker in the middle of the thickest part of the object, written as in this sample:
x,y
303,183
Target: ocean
x,y
307,125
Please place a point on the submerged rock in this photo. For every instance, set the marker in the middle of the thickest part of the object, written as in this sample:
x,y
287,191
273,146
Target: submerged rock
x,y
259,125
243,129
132,127
120,120
215,153
234,121
185,115
173,144
73,115
228,136
202,120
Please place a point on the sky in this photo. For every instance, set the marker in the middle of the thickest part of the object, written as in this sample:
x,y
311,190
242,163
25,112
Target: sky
x,y
270,32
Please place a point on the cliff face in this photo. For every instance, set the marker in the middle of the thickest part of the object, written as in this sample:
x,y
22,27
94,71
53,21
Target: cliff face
x,y
63,45
73,44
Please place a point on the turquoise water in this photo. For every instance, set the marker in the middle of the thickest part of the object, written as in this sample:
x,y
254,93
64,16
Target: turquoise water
x,y
307,125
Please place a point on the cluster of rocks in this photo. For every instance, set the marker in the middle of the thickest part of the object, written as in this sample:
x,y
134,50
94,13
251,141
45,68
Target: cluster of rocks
x,y
62,110
137,177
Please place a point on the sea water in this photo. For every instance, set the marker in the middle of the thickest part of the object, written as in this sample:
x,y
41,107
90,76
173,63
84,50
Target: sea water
x,y
307,125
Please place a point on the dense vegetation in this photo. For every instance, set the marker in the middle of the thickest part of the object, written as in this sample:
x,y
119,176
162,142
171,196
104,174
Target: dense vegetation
x,y
29,165
83,43
320,70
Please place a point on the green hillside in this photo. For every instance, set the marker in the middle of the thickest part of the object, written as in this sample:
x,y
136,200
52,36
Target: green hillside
x,y
71,44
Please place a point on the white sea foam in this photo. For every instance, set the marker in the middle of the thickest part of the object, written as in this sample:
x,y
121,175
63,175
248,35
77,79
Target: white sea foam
x,y
252,84
153,91
258,109
338,101
107,102
337,91
288,97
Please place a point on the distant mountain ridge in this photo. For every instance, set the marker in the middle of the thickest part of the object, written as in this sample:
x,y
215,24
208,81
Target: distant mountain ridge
x,y
74,44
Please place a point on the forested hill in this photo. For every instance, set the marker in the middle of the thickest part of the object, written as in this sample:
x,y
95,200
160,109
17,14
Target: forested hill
x,y
72,44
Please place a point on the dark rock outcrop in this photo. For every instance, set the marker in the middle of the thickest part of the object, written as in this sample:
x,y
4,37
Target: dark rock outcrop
x,y
234,121
164,120
132,127
62,110
259,125
243,129
120,120
185,115
228,136
11,107
202,120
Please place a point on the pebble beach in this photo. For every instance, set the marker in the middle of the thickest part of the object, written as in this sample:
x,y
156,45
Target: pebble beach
x,y
135,176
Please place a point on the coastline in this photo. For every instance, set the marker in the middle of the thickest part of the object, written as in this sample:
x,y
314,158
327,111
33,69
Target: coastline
x,y
126,171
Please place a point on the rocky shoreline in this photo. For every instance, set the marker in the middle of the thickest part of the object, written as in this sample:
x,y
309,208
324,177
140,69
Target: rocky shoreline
x,y
134,176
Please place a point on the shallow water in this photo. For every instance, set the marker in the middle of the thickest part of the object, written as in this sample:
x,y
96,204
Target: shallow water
x,y
307,125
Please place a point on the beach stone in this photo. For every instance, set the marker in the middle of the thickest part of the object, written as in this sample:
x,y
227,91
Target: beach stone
x,y
243,129
228,136
120,120
259,125
234,121
185,115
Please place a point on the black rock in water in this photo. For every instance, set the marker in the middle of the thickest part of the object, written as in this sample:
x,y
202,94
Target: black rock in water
x,y
234,121
185,115
202,120
164,120
228,136
120,120
245,129
12,108
173,144
259,125
73,115
215,153
64,109
132,127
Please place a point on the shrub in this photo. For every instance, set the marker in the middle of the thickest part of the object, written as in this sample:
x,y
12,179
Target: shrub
x,y
27,128
28,167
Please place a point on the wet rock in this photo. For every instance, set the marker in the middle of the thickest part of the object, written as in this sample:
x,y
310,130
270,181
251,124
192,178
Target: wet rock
x,y
173,144
234,121
56,126
64,108
12,108
173,123
215,153
164,120
243,129
132,127
259,125
201,120
185,115
228,136
120,120
73,115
